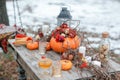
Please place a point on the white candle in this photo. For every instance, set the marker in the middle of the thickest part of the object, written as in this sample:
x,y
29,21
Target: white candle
x,y
45,29
82,50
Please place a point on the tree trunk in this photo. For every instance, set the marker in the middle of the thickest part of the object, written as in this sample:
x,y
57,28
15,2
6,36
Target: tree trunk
x,y
3,13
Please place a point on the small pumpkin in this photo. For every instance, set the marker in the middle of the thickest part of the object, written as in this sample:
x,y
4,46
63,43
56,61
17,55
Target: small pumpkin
x,y
32,45
48,47
66,64
67,43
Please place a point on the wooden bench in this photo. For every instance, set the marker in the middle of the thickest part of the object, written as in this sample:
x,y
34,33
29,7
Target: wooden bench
x,y
5,33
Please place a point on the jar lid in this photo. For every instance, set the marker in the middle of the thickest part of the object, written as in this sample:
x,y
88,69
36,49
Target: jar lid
x,y
105,34
65,13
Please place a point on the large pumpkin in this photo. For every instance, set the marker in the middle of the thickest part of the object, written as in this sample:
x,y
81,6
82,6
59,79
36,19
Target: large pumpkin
x,y
60,47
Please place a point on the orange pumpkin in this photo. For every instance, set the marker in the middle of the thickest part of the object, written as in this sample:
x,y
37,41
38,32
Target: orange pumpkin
x,y
32,45
48,47
66,64
61,47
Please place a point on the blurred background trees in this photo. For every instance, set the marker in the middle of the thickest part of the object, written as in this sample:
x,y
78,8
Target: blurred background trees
x,y
3,13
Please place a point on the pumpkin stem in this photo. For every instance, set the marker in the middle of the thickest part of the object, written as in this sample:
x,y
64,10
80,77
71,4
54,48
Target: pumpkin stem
x,y
66,61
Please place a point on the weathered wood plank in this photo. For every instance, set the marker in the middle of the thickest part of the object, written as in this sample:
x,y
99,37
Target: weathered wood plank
x,y
114,67
7,29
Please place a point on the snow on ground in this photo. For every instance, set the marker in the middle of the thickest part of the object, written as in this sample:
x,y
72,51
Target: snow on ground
x,y
95,15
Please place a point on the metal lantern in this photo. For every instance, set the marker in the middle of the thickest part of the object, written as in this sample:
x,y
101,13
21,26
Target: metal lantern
x,y
64,16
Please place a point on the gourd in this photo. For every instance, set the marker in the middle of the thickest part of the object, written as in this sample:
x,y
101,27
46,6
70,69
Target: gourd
x,y
66,64
32,45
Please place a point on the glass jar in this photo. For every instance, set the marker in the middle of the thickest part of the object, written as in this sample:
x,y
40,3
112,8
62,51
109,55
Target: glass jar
x,y
104,47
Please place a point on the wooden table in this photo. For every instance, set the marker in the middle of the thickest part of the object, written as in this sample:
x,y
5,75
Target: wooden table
x,y
27,59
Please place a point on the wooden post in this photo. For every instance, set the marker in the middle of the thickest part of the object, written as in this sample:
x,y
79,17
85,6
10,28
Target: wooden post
x,y
3,13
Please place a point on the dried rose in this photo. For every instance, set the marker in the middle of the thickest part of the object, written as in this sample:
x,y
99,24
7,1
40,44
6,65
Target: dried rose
x,y
61,38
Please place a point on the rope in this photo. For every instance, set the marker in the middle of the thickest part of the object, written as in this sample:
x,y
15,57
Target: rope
x,y
14,12
19,14
16,6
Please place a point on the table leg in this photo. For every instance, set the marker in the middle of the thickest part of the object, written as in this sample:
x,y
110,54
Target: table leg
x,y
21,71
22,75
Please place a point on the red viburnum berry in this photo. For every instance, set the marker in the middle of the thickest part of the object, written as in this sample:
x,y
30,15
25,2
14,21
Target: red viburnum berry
x,y
84,65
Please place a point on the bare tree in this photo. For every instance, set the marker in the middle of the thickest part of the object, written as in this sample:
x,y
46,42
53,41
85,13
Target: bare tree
x,y
3,13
